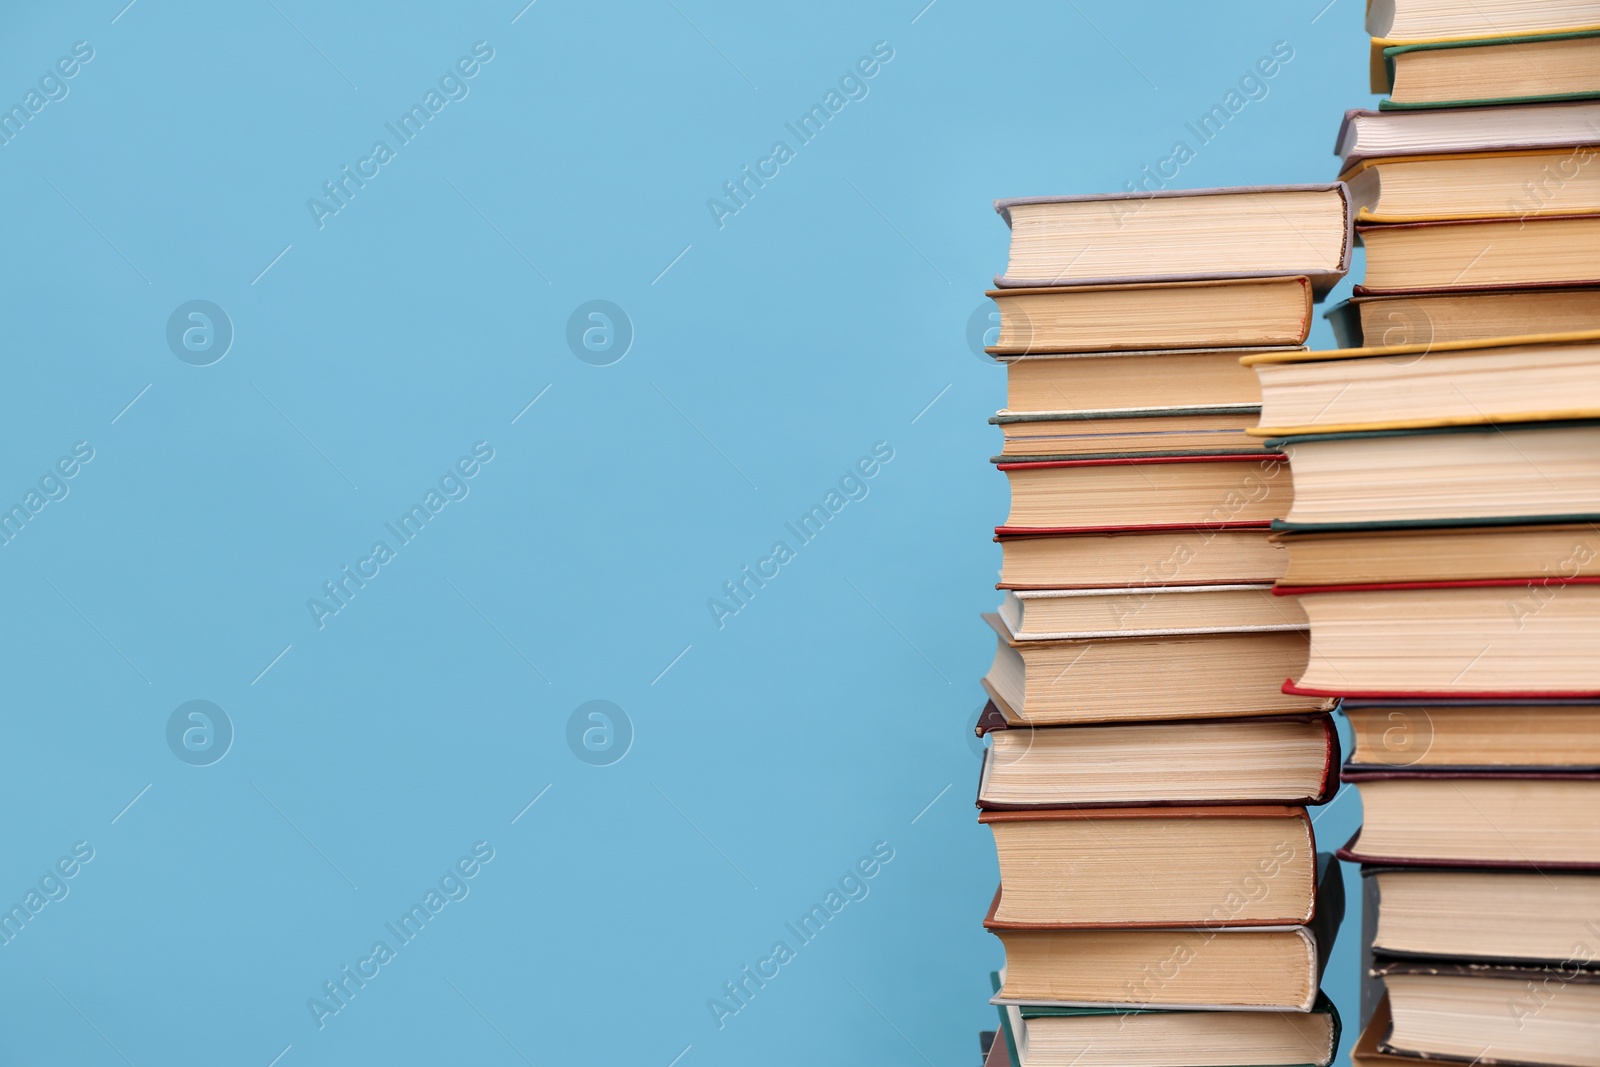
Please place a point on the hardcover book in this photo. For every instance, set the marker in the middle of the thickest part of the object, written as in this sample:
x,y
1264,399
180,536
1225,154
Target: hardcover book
x,y
1476,185
1138,316
1371,134
1461,735
1287,759
1210,968
1444,315
1492,1014
1490,639
1098,381
1549,378
1424,20
1111,1037
1482,253
1151,868
1179,235
1147,491
1227,553
1102,434
1526,916
1130,678
1515,819
1512,475
1496,70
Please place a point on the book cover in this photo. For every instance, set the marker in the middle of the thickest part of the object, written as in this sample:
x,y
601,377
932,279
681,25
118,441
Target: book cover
x,y
992,720
1391,51
1321,281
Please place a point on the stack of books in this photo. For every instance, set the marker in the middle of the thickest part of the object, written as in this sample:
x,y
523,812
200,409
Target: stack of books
x,y
1442,538
1162,903
1477,183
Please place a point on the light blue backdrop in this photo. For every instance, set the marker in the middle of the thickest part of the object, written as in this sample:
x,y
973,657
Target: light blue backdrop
x,y
374,346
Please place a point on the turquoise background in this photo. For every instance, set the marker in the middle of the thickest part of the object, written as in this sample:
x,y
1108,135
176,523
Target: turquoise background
x,y
767,756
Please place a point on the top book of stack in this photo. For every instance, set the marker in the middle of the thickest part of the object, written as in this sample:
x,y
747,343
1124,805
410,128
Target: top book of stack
x,y
1174,269
1433,53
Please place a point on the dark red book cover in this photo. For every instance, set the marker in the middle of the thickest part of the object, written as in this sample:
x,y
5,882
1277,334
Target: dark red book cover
x,y
992,720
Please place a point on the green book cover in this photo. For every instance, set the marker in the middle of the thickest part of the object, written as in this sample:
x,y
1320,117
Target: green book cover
x,y
1065,457
1427,46
1323,1006
1276,443
1012,417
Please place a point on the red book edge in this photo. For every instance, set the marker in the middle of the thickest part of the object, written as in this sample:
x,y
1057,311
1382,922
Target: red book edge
x,y
1350,855
1472,583
1005,533
1292,689
1356,772
1195,811
992,924
1124,461
991,720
